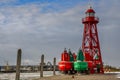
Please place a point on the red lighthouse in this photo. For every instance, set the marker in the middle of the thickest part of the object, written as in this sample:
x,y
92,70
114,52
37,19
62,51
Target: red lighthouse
x,y
90,44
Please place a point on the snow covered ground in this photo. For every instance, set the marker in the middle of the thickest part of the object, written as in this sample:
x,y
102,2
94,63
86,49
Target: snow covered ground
x,y
25,76
117,74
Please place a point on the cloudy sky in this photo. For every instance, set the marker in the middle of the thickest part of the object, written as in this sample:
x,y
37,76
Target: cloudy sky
x,y
48,26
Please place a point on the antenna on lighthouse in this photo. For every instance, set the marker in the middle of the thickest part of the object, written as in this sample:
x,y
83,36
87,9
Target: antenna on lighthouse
x,y
89,4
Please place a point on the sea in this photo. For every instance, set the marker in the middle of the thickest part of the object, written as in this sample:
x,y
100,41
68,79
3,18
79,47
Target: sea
x,y
36,75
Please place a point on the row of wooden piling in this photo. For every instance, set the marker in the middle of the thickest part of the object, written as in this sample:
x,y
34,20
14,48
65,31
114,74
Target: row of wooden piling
x,y
18,65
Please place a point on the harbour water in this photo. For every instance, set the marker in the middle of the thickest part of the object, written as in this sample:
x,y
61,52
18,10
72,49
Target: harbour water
x,y
25,76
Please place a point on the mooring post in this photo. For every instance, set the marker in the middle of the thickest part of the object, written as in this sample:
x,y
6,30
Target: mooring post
x,y
18,64
41,65
54,66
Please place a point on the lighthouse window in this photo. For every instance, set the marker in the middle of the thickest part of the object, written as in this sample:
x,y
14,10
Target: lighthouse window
x,y
91,14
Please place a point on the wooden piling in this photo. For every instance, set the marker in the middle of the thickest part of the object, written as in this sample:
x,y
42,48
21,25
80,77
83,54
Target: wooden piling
x,y
41,65
18,64
54,66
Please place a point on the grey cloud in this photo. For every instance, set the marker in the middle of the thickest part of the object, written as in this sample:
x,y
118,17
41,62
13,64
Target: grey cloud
x,y
36,32
109,31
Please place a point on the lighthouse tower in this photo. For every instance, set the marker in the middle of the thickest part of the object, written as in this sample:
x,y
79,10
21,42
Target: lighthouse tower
x,y
90,43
